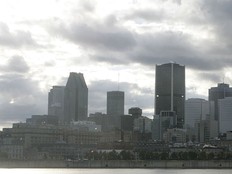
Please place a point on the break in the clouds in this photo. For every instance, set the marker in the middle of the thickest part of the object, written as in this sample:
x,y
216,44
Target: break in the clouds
x,y
106,37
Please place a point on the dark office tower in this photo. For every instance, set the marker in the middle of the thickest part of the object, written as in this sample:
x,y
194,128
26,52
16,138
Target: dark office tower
x,y
75,98
56,102
220,92
115,103
170,90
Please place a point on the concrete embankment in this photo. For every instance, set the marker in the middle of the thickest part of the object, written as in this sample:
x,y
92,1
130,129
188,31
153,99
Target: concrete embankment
x,y
119,164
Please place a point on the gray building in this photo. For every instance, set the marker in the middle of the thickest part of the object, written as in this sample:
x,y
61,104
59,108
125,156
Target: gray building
x,y
135,112
162,122
225,114
75,98
115,103
56,102
220,92
196,109
170,90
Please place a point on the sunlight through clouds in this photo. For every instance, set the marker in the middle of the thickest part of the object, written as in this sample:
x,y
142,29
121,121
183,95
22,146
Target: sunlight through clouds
x,y
104,38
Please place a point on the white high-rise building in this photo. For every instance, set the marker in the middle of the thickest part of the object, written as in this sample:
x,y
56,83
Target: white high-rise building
x,y
196,109
225,114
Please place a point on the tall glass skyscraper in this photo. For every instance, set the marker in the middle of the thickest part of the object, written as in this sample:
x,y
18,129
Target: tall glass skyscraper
x,y
170,90
75,98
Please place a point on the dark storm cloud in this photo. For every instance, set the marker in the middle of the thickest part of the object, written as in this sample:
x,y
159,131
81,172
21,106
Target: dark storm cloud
x,y
162,47
110,41
20,96
120,46
18,113
218,14
134,95
16,85
15,39
97,36
16,64
215,77
217,11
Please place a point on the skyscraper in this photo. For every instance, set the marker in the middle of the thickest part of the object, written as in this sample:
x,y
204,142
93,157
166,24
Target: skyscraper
x,y
220,92
115,108
56,102
170,90
115,103
75,98
196,109
225,117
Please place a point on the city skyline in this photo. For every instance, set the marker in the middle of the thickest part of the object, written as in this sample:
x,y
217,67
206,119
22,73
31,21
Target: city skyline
x,y
111,43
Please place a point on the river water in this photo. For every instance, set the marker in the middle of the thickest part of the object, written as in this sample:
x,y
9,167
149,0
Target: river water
x,y
115,171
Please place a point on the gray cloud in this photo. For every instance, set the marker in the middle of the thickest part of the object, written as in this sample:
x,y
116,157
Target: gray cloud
x,y
218,15
116,44
20,98
215,77
87,5
96,36
150,15
15,39
16,64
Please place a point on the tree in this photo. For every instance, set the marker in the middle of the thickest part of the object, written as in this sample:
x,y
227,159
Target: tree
x,y
126,155
174,156
192,155
164,156
210,156
202,155
113,155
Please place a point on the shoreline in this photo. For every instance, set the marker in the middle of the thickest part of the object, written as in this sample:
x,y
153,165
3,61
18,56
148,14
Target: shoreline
x,y
162,164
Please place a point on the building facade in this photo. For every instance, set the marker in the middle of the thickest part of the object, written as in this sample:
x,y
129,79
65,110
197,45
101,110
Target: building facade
x,y
196,109
56,102
75,98
215,93
115,103
170,90
225,114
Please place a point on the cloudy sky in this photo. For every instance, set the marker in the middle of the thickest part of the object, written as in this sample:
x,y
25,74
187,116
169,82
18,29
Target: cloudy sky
x,y
109,41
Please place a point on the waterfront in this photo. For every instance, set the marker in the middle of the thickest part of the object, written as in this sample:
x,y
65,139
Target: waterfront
x,y
119,164
115,171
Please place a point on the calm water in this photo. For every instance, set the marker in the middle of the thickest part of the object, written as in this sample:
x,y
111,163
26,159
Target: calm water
x,y
115,171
